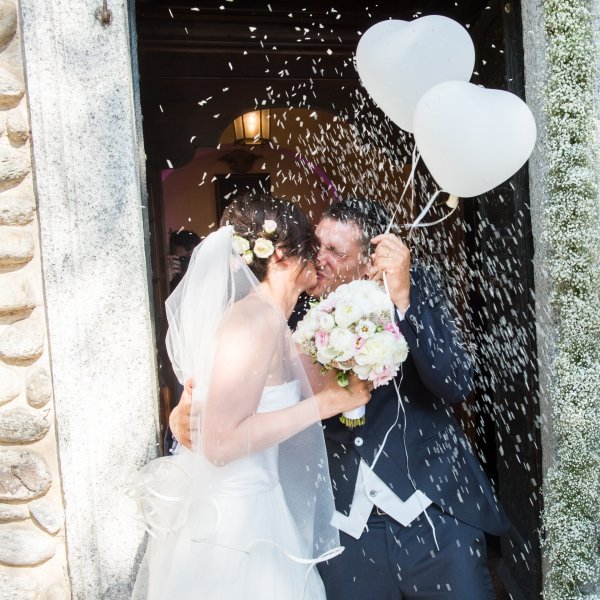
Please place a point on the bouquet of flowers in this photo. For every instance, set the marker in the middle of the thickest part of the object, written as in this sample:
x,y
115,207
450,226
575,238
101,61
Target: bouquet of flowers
x,y
353,330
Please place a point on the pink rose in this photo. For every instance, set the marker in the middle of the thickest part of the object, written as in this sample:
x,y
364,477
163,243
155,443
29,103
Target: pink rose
x,y
328,305
382,377
321,339
394,330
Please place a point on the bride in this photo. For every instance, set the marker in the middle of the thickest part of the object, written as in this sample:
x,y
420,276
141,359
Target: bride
x,y
245,514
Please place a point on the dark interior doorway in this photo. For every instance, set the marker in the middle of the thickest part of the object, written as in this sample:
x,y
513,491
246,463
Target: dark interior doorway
x,y
204,63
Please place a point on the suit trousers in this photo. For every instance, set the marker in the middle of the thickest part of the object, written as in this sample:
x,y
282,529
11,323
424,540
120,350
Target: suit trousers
x,y
393,562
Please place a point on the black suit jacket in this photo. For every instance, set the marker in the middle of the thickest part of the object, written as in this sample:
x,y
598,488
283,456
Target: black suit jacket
x,y
427,445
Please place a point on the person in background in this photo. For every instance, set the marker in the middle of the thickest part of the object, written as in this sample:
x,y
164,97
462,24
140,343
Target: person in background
x,y
181,246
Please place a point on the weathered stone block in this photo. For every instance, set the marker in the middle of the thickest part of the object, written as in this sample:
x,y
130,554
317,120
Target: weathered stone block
x,y
47,515
24,475
16,294
18,586
22,341
15,163
11,87
9,513
16,246
56,592
17,127
10,385
39,387
22,426
16,209
8,22
24,547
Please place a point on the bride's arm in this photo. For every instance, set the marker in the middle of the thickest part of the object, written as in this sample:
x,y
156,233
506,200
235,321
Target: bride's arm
x,y
231,428
318,380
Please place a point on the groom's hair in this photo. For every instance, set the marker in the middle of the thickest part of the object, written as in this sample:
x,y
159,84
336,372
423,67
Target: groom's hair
x,y
369,216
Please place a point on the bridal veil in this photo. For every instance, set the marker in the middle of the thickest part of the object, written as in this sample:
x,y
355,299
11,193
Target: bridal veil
x,y
236,346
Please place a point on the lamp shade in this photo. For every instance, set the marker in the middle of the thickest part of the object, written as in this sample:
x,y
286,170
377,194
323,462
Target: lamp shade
x,y
252,128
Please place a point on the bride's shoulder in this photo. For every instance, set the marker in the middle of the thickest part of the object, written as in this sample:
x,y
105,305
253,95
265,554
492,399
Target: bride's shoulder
x,y
255,315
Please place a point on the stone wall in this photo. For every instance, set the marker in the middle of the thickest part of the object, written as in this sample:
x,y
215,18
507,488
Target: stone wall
x,y
89,183
32,538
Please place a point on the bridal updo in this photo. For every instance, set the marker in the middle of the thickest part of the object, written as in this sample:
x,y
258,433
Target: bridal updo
x,y
252,217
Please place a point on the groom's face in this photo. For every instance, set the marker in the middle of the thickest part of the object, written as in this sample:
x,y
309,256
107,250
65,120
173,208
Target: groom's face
x,y
340,258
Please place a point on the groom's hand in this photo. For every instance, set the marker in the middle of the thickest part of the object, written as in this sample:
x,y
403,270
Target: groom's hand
x,y
181,416
392,256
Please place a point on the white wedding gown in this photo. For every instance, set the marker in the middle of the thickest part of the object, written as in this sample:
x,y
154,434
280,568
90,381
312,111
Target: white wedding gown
x,y
239,538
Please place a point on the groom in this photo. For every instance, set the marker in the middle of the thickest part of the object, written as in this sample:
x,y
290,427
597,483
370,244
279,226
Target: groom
x,y
412,500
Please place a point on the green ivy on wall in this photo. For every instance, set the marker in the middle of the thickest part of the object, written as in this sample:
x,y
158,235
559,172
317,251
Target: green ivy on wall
x,y
572,236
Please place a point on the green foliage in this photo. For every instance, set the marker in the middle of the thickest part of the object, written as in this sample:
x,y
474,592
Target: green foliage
x,y
571,226
342,378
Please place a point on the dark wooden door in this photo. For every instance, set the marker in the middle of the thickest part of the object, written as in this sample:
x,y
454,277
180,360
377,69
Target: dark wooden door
x,y
500,251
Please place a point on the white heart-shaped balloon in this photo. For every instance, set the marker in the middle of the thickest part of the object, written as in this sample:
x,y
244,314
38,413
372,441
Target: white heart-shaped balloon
x,y
398,61
472,139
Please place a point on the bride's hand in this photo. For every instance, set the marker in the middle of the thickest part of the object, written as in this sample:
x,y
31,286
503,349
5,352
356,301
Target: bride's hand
x,y
335,399
180,420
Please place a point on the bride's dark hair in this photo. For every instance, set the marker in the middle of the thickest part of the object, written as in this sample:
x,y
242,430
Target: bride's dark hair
x,y
294,235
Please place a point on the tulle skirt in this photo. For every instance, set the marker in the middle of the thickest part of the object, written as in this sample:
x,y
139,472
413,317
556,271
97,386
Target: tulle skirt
x,y
244,557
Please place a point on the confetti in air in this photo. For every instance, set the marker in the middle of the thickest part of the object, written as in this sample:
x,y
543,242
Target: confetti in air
x,y
328,141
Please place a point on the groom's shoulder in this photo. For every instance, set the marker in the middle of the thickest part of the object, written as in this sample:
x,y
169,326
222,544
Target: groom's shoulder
x,y
427,282
422,273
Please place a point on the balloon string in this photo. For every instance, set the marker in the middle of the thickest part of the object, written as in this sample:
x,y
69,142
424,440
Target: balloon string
x,y
415,159
387,291
417,222
423,212
431,223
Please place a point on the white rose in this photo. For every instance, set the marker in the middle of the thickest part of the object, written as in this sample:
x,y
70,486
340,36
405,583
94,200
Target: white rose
x,y
371,297
377,351
360,286
270,226
301,334
343,342
400,351
347,313
341,339
306,329
263,248
248,257
329,303
326,355
325,321
344,292
240,244
361,304
346,355
311,321
362,371
381,302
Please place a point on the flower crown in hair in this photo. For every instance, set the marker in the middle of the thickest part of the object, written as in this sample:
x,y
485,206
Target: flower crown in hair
x,y
263,248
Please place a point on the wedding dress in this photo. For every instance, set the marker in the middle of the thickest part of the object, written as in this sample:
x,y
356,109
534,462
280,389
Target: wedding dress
x,y
245,518
239,547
